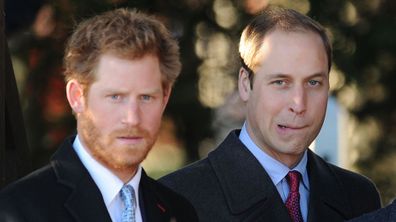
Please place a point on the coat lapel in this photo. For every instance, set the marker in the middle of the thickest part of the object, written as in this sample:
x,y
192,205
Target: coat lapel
x,y
85,202
152,206
328,200
248,189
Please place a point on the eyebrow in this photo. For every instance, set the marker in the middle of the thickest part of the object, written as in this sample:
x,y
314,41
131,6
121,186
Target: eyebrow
x,y
320,74
123,91
282,75
153,91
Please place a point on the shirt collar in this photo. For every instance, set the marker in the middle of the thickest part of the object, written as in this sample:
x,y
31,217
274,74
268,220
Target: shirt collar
x,y
108,183
275,169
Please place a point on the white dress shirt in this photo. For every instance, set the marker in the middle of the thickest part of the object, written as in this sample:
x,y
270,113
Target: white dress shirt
x,y
278,171
108,183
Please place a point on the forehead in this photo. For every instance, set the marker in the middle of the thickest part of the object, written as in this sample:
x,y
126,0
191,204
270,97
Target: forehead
x,y
114,71
287,52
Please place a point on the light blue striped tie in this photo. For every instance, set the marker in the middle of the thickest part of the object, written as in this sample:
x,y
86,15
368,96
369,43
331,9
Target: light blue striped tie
x,y
128,197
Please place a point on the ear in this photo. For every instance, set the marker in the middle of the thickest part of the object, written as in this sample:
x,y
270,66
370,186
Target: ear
x,y
75,96
244,84
167,93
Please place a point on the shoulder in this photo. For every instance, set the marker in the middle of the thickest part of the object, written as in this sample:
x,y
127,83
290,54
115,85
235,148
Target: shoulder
x,y
350,180
199,184
184,180
354,183
26,193
196,182
36,180
165,193
203,174
178,206
357,188
382,215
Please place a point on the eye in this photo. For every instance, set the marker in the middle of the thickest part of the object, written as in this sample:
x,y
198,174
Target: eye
x,y
115,97
313,82
279,82
146,97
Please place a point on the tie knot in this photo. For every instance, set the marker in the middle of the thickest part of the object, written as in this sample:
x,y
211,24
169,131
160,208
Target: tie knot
x,y
293,179
128,195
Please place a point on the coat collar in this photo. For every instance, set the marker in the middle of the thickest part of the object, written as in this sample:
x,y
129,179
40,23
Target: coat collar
x,y
327,196
85,201
155,207
246,185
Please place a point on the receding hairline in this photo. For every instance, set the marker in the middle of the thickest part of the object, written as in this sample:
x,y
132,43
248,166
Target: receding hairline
x,y
298,30
282,19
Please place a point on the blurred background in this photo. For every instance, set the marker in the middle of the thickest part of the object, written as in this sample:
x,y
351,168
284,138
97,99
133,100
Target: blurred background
x,y
360,128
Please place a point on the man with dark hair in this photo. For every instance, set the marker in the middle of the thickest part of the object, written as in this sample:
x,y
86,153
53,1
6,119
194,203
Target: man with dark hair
x,y
119,67
265,171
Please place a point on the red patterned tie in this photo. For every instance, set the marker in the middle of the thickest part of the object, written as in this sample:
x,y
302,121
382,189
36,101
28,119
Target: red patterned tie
x,y
293,200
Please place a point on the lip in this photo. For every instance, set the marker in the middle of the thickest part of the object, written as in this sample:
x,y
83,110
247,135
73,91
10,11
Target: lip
x,y
292,127
286,129
130,139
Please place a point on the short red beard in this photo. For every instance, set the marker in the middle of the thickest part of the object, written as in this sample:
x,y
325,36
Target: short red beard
x,y
101,147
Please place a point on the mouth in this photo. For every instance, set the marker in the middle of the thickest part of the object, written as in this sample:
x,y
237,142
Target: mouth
x,y
130,139
291,127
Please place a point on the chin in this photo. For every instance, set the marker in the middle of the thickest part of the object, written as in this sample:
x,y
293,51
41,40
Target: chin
x,y
125,166
123,163
294,152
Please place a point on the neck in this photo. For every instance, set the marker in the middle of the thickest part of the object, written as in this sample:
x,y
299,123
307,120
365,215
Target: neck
x,y
290,159
125,175
291,162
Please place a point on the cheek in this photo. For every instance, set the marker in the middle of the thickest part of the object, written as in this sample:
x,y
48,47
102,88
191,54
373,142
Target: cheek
x,y
152,117
264,109
105,107
319,105
269,104
105,120
322,100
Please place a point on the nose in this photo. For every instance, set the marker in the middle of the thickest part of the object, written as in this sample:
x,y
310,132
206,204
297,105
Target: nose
x,y
298,101
132,116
